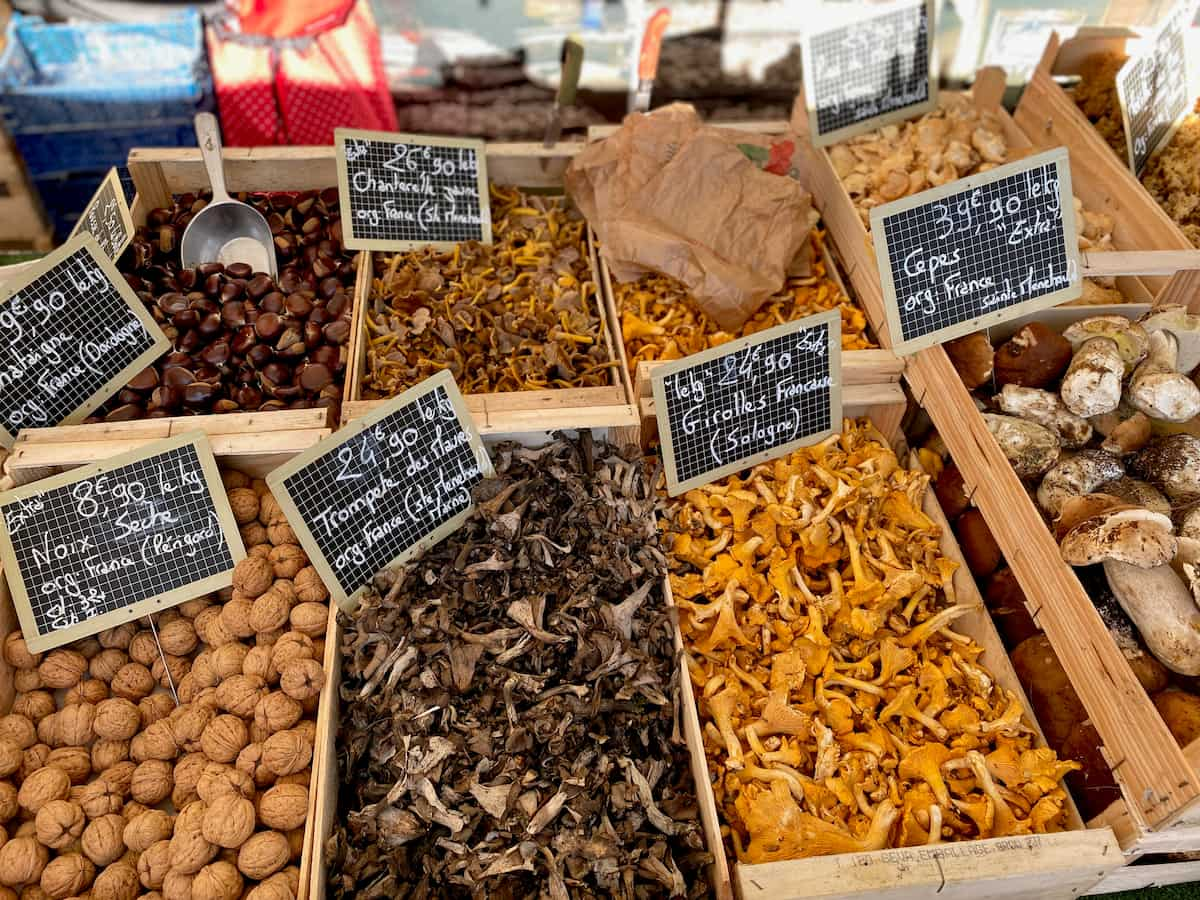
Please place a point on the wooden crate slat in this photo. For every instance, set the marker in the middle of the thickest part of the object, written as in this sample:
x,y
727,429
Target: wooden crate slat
x,y
1140,878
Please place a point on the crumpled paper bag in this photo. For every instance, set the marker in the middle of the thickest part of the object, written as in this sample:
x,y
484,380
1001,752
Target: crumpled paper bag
x,y
666,193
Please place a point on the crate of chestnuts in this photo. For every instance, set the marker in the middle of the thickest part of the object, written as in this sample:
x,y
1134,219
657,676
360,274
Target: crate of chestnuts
x,y
173,758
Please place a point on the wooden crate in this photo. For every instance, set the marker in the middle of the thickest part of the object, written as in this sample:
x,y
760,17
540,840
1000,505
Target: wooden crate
x,y
1101,178
229,457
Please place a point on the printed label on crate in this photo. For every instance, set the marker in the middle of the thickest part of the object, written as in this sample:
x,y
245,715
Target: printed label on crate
x,y
402,191
75,333
976,252
865,72
1152,87
748,401
384,488
108,543
107,217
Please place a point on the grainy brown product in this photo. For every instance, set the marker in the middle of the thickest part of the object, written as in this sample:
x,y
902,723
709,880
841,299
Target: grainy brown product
x,y
516,315
508,726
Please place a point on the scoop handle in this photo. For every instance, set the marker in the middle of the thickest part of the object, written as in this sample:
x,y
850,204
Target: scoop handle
x,y
208,136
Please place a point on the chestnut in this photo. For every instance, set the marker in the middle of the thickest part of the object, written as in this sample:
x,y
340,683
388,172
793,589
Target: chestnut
x,y
272,302
269,326
258,355
198,393
239,270
145,380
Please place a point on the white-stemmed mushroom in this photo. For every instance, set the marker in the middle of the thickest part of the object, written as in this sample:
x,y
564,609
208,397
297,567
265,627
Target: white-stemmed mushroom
x,y
1075,474
1183,326
1045,408
1106,347
1171,464
1031,449
1136,492
1158,389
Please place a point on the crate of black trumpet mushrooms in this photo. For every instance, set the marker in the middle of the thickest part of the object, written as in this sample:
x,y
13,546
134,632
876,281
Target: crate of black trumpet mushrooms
x,y
172,753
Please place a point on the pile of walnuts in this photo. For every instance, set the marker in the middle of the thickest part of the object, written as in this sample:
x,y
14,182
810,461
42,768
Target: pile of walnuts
x,y
109,790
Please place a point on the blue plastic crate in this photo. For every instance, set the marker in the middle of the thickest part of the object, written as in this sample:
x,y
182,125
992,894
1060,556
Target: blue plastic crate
x,y
102,73
70,150
65,195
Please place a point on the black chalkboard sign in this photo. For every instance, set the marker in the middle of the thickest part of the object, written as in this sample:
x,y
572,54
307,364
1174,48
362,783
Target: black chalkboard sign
x,y
1152,87
864,72
107,217
74,334
384,488
978,251
748,401
401,191
111,542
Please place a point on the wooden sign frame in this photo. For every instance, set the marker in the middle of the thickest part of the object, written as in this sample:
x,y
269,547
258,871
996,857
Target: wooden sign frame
x,y
41,641
276,481
832,322
900,114
354,242
113,181
1059,158
160,346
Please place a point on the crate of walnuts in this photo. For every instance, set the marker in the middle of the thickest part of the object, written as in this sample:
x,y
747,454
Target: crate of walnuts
x,y
179,766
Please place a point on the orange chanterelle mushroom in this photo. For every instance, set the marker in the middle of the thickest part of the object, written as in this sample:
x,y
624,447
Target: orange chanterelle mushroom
x,y
841,712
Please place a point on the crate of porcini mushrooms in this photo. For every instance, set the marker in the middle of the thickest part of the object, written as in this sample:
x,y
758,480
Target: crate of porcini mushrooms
x,y
113,789
521,323
862,728
512,718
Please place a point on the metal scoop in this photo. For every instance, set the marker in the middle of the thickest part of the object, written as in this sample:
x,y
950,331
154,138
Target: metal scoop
x,y
227,230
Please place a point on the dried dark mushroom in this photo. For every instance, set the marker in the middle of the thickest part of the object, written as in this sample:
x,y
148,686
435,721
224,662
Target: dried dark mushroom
x,y
509,722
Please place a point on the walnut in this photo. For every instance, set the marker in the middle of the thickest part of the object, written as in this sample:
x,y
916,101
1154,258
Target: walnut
x,y
281,534
309,618
22,861
258,663
219,779
17,654
90,690
245,505
203,671
133,681
156,742
75,761
269,511
227,660
143,648
147,828
309,586
301,778
250,762
218,881
18,729
62,668
286,752
232,479
33,705
224,738
253,534
192,608
178,638
100,798
285,589
44,785
105,664
107,753
284,807
188,723
73,724
276,712
267,639
116,719
274,888
35,757
103,840
261,551
264,854
229,821
27,680
296,843
288,559
67,875
269,612
154,708
187,689
47,730
189,849
152,782
207,697
308,730
11,755
239,694
152,865
117,882
208,626
179,667
132,809
291,646
120,776
177,885
253,576
59,822
118,638
8,801
301,678
187,775
235,617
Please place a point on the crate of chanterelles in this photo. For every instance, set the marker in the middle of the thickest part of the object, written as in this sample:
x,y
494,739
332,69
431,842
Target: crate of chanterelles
x,y
119,787
861,727
1071,101
520,323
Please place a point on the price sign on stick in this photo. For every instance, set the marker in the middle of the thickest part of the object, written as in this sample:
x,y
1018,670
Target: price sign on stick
x,y
107,217
748,401
385,488
978,251
401,191
74,334
1152,87
111,542
869,71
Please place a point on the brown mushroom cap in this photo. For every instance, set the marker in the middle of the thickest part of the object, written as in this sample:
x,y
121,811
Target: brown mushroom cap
x,y
1128,534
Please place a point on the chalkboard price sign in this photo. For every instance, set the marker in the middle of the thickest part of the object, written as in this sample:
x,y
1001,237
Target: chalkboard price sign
x,y
402,191
74,334
978,251
111,542
862,73
748,401
385,488
107,217
1152,87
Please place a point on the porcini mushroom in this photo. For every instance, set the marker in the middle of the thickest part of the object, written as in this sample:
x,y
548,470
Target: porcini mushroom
x,y
1171,464
1045,408
1092,385
1029,447
1079,473
1184,326
1158,389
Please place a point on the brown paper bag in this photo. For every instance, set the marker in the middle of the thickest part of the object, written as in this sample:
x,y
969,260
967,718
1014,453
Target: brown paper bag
x,y
667,194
